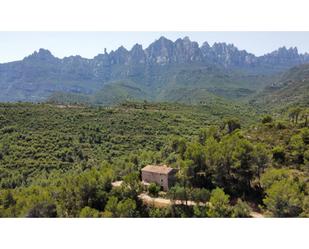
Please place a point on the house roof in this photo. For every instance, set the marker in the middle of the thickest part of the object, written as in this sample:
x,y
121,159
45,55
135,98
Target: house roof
x,y
160,169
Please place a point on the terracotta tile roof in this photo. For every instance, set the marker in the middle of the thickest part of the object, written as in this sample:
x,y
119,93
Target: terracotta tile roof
x,y
161,169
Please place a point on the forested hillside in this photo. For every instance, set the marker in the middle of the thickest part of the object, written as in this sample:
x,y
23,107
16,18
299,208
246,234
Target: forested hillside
x,y
60,161
75,133
291,89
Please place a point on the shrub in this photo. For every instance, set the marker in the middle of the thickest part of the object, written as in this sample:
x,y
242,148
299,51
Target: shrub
x,y
306,157
267,119
219,204
153,189
232,124
281,125
278,154
88,212
43,209
284,198
200,195
305,135
272,175
241,209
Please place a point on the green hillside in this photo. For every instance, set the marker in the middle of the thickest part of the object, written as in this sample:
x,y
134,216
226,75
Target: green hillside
x,y
60,160
104,133
291,89
193,84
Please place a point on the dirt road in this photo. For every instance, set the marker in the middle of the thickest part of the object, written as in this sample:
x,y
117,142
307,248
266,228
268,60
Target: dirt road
x,y
161,202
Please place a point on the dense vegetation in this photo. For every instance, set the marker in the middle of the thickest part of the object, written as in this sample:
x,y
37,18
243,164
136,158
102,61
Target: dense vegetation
x,y
290,89
234,125
60,161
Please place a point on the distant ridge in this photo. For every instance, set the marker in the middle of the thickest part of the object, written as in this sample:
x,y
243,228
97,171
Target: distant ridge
x,y
164,51
151,73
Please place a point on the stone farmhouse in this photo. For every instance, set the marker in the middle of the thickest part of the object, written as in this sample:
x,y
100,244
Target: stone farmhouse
x,y
162,175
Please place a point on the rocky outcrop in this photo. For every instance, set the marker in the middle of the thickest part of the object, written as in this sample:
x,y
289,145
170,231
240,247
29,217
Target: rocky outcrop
x,y
41,70
164,51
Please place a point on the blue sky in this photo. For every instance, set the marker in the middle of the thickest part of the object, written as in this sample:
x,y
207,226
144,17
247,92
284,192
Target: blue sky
x,y
17,45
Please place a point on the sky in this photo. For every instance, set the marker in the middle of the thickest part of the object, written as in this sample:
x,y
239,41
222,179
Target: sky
x,y
16,45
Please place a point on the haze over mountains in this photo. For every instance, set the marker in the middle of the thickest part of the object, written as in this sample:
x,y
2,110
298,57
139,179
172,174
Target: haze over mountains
x,y
180,71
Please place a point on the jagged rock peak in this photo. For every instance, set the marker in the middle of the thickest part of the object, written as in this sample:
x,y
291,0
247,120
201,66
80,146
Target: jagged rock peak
x,y
164,51
224,46
137,47
45,52
121,49
205,45
163,39
42,54
284,51
160,51
185,40
137,54
161,42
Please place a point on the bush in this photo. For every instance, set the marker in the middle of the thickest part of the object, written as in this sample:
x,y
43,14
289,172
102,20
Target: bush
x,y
232,124
281,125
219,204
159,212
88,212
284,198
306,157
305,135
278,154
267,119
199,211
43,209
178,193
272,175
153,189
7,199
297,147
305,212
241,210
200,195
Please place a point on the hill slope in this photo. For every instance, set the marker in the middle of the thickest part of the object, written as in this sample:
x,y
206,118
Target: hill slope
x,y
37,139
291,89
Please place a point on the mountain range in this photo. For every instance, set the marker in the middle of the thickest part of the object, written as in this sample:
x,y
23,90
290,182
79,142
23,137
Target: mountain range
x,y
180,71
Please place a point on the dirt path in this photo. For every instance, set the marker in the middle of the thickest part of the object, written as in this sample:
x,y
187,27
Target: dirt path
x,y
161,202
116,184
156,202
256,215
